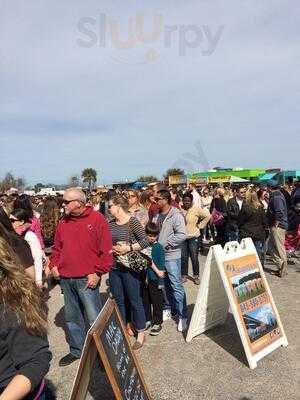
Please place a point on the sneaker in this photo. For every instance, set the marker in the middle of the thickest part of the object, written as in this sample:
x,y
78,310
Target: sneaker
x,y
167,316
155,330
182,325
148,325
67,360
196,280
184,279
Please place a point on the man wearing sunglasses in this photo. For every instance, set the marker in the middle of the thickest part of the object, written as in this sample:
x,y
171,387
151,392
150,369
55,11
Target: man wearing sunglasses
x,y
82,252
172,234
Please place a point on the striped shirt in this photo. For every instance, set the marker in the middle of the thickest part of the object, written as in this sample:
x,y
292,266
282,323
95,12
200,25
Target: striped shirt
x,y
131,232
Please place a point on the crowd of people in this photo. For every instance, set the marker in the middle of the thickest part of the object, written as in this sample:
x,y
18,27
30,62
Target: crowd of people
x,y
144,239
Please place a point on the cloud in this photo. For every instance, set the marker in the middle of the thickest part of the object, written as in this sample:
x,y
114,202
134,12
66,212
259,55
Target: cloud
x,y
102,107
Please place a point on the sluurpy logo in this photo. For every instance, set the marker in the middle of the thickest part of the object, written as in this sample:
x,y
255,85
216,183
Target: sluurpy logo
x,y
193,161
140,39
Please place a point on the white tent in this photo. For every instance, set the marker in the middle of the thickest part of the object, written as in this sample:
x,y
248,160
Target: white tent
x,y
236,179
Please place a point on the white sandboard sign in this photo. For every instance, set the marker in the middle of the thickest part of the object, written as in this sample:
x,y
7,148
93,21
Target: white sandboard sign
x,y
234,277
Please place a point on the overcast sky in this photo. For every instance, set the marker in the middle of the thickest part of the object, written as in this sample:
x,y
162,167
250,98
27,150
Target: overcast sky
x,y
134,88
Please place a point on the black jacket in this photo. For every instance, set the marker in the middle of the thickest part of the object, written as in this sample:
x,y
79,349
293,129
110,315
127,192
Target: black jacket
x,y
21,353
220,205
277,210
252,223
233,211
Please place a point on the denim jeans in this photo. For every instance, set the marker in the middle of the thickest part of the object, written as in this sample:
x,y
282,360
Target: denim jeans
x,y
126,288
189,248
232,235
175,298
260,248
81,305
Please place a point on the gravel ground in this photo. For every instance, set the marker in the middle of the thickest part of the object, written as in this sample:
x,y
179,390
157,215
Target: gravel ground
x,y
213,366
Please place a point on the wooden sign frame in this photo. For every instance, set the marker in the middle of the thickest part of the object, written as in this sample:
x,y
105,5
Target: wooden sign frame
x,y
244,261
93,346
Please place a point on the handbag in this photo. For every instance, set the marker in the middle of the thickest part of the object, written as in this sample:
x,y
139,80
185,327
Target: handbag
x,y
134,260
217,218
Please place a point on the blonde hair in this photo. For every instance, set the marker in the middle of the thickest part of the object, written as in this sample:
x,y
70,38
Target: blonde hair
x,y
19,295
220,192
252,200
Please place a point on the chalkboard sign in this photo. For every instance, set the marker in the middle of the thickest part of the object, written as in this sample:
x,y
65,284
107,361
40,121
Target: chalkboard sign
x,y
108,338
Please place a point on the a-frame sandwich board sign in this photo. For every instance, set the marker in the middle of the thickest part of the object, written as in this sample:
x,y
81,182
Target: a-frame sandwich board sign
x,y
233,277
107,339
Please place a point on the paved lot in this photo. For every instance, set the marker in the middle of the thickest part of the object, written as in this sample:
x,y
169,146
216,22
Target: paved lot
x,y
213,366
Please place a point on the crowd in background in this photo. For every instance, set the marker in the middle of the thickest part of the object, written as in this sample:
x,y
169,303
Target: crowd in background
x,y
143,238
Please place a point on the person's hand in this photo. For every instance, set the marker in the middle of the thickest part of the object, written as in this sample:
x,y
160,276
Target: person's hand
x,y
121,249
39,285
55,273
47,271
92,281
161,274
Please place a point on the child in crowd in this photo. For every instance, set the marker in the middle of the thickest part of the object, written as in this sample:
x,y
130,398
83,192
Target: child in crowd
x,y
154,282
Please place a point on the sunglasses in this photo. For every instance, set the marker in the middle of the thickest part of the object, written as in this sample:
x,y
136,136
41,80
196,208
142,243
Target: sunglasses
x,y
68,201
158,198
13,220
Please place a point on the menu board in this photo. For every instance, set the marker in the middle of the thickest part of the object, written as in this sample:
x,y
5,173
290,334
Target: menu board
x,y
108,338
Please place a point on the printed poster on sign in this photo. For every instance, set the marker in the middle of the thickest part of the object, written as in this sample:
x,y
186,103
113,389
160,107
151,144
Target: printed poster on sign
x,y
253,302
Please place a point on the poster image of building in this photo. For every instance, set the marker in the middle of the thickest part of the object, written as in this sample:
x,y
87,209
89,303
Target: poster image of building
x,y
247,285
251,297
260,322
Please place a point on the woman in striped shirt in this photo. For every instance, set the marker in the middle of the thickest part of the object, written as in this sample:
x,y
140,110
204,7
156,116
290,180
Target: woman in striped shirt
x,y
125,284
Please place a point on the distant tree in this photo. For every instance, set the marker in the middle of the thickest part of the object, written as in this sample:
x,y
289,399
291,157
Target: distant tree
x,y
38,187
8,182
174,171
74,181
89,176
147,178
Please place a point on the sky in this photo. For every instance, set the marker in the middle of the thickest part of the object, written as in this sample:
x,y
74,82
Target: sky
x,y
135,87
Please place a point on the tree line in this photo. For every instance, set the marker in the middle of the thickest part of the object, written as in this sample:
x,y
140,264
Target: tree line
x,y
88,178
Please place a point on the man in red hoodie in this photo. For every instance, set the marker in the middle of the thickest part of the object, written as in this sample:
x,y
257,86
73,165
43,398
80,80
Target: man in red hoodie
x,y
82,252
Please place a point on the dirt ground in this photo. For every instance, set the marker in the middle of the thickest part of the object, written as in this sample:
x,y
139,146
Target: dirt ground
x,y
213,366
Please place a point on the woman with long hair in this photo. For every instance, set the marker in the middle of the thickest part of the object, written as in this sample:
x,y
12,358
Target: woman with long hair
x,y
135,207
19,245
147,201
21,222
125,284
24,348
252,222
49,219
219,207
23,202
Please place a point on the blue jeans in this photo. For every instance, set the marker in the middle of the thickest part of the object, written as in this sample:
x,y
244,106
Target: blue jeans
x,y
126,288
190,248
175,298
232,235
81,305
260,248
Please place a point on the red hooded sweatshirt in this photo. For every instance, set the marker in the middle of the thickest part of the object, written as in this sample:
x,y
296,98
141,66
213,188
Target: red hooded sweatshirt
x,y
82,245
